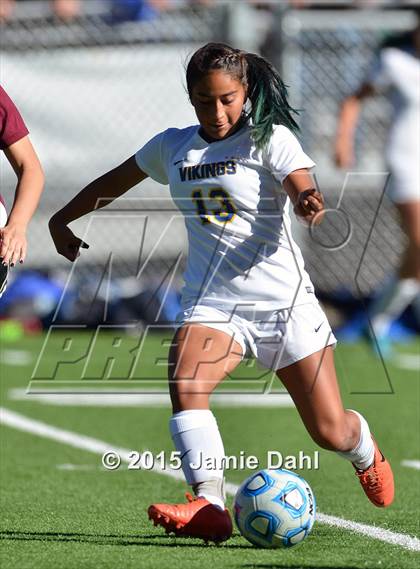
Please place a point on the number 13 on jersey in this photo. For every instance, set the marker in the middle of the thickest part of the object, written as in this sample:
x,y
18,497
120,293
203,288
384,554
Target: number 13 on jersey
x,y
225,212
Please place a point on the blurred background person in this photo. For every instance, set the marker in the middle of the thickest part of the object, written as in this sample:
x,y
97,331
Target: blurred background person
x,y
6,10
146,10
136,10
64,10
396,72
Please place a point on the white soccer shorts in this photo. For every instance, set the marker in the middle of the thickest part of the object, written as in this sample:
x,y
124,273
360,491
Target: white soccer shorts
x,y
276,338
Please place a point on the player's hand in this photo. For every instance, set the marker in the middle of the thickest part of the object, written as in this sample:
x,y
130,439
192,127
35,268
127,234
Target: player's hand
x,y
12,244
309,207
65,241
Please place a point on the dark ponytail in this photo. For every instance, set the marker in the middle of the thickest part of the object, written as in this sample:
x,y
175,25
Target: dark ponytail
x,y
268,96
266,90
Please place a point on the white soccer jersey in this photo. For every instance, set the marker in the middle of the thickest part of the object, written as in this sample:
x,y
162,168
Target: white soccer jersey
x,y
398,72
240,247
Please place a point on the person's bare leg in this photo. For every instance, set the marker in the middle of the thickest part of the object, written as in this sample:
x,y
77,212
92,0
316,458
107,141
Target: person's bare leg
x,y
403,289
199,359
313,386
410,224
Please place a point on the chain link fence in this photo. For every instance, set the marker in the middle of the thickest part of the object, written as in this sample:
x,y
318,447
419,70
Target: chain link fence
x,y
93,92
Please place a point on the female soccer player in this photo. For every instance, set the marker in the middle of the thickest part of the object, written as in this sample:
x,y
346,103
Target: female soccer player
x,y
396,72
17,147
246,290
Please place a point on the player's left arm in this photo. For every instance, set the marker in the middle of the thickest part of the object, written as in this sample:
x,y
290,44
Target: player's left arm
x,y
25,163
308,202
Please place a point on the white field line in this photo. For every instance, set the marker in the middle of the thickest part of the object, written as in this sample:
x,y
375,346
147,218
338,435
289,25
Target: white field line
x,y
68,466
411,464
147,399
16,357
22,423
407,361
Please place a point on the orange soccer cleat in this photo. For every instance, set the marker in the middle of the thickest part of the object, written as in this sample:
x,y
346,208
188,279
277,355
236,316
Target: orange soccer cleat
x,y
197,518
377,480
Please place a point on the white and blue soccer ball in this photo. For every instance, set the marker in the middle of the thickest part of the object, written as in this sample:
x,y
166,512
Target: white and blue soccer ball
x,y
275,508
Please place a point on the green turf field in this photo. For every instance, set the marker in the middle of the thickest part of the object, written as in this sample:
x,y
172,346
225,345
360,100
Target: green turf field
x,y
62,509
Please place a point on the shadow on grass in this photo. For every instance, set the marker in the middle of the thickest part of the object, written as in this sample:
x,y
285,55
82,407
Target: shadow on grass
x,y
286,566
160,540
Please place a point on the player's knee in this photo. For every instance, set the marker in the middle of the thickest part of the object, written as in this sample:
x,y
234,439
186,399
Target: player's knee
x,y
331,435
188,394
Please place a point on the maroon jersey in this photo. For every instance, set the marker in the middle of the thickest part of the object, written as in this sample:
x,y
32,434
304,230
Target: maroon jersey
x,y
12,127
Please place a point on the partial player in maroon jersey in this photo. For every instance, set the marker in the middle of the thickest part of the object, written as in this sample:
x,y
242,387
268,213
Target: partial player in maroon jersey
x,y
15,143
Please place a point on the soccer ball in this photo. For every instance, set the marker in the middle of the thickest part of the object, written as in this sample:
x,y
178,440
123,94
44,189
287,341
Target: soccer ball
x,y
275,508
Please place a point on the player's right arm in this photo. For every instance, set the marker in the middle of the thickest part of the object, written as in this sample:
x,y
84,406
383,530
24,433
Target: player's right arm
x,y
347,122
95,195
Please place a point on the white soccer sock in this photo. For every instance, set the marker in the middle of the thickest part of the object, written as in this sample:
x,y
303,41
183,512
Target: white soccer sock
x,y
363,453
212,490
391,304
197,438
